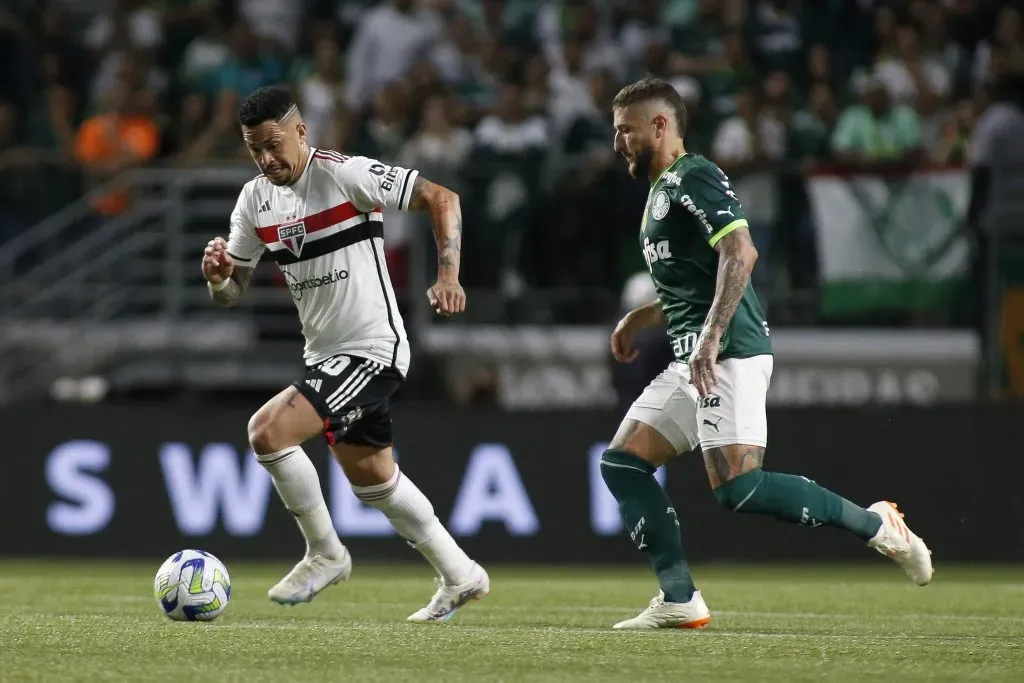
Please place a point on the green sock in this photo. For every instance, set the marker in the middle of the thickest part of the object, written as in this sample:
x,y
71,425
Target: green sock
x,y
650,520
792,498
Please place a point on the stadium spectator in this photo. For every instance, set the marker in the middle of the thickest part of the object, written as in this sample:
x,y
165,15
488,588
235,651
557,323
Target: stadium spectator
x,y
956,135
778,36
321,95
126,36
251,65
877,132
114,140
748,147
820,69
1006,41
917,80
204,56
508,153
390,38
385,131
276,23
722,84
996,205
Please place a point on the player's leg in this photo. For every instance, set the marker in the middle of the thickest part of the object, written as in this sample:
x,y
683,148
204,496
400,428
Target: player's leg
x,y
657,427
361,440
733,433
276,432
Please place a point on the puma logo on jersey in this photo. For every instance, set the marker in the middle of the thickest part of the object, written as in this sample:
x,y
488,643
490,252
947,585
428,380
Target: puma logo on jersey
x,y
714,425
727,212
659,251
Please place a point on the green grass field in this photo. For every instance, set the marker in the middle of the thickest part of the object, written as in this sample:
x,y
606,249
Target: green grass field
x,y
82,621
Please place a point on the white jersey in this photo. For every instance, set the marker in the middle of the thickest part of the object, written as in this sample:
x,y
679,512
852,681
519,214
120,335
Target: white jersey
x,y
325,232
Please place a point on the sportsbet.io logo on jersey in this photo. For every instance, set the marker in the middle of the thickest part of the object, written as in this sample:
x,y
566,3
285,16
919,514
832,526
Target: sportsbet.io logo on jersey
x,y
659,251
298,287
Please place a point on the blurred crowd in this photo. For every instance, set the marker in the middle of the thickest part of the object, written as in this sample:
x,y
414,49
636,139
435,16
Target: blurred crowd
x,y
507,102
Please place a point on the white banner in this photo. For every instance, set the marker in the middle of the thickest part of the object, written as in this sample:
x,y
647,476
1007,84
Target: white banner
x,y
890,243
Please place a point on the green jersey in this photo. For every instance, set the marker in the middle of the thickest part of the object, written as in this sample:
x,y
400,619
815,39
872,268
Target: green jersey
x,y
691,206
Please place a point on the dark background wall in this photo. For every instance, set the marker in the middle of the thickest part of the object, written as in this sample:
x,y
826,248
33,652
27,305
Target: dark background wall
x,y
146,480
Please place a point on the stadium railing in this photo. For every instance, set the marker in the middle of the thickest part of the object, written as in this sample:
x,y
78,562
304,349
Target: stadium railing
x,y
124,297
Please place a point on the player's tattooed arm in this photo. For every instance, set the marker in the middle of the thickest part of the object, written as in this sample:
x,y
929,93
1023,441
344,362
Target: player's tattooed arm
x,y
238,283
446,221
736,257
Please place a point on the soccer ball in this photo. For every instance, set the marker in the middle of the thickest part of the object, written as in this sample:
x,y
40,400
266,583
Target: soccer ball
x,y
192,585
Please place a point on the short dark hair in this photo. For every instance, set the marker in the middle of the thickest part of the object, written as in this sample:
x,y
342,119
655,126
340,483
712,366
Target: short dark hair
x,y
648,89
269,103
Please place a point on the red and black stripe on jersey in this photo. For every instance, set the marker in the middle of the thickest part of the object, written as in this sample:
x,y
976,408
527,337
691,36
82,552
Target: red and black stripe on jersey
x,y
365,229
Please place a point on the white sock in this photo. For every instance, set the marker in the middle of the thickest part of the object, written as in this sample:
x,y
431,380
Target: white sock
x,y
298,485
413,517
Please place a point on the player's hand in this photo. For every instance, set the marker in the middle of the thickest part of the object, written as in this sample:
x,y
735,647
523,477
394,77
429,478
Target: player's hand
x,y
622,340
217,264
447,297
702,364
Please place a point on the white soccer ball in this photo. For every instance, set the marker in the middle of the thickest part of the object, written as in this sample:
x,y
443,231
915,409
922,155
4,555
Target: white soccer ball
x,y
192,585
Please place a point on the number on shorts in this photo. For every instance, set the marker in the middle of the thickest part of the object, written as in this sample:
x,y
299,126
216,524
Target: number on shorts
x,y
335,366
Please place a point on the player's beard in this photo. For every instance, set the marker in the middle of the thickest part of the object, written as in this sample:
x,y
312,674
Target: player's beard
x,y
641,166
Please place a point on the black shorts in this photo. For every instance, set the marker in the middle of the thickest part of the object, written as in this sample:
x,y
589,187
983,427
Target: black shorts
x,y
353,396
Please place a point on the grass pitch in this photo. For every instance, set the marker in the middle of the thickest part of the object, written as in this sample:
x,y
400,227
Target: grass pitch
x,y
82,621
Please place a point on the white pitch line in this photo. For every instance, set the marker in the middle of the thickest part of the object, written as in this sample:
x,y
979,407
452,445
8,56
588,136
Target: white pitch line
x,y
609,609
781,635
322,626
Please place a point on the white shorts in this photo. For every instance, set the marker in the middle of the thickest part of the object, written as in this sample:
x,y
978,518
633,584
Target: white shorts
x,y
734,413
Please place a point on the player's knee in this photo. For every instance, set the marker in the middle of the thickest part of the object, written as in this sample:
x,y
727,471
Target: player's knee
x,y
366,465
620,470
734,493
264,435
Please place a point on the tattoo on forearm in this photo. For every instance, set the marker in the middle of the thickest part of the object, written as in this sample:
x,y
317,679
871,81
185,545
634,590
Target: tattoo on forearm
x,y
238,283
728,462
446,222
734,266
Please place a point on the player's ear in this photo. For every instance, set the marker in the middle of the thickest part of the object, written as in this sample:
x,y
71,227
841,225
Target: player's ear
x,y
660,123
300,128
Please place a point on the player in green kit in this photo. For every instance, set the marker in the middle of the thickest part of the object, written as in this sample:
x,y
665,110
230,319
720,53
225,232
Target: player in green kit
x,y
696,244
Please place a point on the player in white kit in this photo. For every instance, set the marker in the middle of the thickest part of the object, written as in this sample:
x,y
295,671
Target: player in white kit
x,y
318,213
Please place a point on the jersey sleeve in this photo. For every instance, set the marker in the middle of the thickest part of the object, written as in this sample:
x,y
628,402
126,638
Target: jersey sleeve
x,y
707,193
371,183
244,243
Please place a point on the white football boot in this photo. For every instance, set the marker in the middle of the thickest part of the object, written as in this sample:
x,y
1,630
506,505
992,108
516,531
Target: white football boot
x,y
311,575
661,614
896,541
448,599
